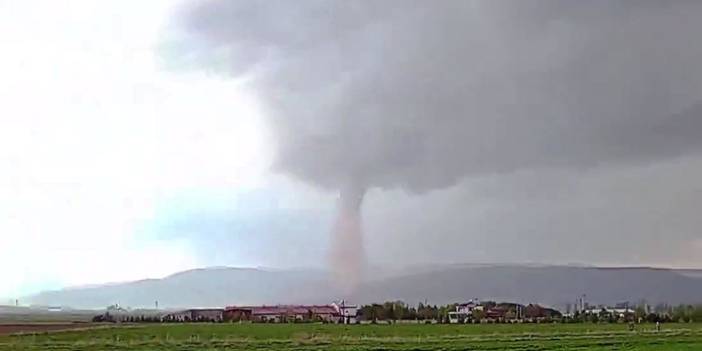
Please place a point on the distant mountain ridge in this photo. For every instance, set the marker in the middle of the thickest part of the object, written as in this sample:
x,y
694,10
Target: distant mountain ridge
x,y
550,285
547,284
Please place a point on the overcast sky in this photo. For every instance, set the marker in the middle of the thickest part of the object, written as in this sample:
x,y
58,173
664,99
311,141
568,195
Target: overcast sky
x,y
140,138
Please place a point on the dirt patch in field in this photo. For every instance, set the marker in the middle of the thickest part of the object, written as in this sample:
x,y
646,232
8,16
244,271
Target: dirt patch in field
x,y
6,329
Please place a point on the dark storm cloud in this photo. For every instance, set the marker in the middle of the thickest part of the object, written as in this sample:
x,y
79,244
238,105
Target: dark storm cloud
x,y
421,94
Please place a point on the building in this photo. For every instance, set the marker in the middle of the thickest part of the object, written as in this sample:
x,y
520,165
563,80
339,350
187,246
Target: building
x,y
535,312
464,311
496,314
492,312
347,313
615,312
334,313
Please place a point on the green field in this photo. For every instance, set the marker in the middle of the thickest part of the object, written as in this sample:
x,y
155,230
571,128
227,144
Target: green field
x,y
672,337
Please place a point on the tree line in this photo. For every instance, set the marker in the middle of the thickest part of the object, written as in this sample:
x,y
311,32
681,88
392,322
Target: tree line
x,y
399,311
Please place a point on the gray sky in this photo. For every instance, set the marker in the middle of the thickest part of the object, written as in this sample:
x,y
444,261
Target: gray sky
x,y
219,133
545,131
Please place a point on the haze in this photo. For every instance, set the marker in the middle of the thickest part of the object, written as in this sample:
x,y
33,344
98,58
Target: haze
x,y
143,138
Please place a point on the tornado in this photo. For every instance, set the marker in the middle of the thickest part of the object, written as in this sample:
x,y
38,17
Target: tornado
x,y
347,254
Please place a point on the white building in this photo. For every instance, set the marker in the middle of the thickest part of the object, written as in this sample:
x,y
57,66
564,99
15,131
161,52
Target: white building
x,y
346,312
464,311
617,312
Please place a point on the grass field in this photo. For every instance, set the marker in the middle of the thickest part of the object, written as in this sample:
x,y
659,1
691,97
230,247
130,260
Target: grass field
x,y
672,337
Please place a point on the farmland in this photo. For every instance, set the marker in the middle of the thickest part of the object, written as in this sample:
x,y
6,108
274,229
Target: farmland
x,y
364,337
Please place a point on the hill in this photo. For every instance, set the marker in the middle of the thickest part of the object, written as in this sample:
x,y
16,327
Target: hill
x,y
551,285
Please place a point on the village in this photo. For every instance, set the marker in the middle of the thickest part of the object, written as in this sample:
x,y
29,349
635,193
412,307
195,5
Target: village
x,y
340,312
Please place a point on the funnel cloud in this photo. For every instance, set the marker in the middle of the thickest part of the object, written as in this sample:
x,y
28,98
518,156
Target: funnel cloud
x,y
347,254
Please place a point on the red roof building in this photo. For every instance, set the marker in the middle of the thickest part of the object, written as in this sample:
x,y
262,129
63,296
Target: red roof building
x,y
283,313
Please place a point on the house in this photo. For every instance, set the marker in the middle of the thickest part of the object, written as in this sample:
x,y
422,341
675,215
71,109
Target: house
x,y
346,312
464,311
496,313
623,312
535,312
512,311
488,312
616,312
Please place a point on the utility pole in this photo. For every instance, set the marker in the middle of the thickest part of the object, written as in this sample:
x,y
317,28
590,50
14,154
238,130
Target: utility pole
x,y
520,315
343,312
